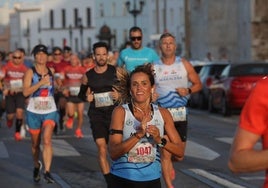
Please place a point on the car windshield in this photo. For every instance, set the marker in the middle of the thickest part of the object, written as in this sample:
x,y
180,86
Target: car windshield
x,y
249,69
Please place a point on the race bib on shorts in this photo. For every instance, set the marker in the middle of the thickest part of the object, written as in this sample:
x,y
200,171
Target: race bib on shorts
x,y
16,84
103,99
74,91
43,103
142,153
178,114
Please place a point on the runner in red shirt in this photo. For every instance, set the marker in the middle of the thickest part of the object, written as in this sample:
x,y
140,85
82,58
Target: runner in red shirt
x,y
57,65
71,78
12,75
253,127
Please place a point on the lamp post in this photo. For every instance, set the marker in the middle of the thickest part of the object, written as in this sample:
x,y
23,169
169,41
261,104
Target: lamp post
x,y
71,35
134,11
81,28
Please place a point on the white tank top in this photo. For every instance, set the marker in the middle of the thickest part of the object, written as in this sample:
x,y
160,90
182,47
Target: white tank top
x,y
167,79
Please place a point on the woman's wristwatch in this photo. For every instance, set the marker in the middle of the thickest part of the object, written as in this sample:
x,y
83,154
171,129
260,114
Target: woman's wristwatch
x,y
163,142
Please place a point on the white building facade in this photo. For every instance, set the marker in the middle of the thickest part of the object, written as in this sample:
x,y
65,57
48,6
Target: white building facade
x,y
53,23
58,22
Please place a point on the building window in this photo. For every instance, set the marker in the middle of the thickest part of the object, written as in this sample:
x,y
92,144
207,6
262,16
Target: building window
x,y
52,43
101,10
89,17
63,17
115,35
124,8
154,17
27,33
89,43
76,17
125,35
113,9
39,25
172,16
51,16
76,44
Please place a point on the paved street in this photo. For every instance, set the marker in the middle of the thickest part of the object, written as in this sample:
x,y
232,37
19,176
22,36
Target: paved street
x,y
74,164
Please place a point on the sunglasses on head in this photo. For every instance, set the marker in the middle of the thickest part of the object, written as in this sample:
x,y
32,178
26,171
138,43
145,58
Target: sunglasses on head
x,y
136,38
15,57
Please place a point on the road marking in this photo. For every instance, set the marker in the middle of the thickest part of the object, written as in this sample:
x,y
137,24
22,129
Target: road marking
x,y
199,151
254,178
3,151
229,140
216,179
60,181
61,148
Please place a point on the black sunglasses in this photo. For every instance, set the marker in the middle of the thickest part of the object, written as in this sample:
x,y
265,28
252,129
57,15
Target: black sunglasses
x,y
14,57
136,38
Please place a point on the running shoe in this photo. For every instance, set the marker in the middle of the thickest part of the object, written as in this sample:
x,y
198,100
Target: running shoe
x,y
9,123
17,136
36,172
78,133
69,123
48,178
23,131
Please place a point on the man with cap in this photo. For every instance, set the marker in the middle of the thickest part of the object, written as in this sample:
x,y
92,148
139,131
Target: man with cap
x,y
41,112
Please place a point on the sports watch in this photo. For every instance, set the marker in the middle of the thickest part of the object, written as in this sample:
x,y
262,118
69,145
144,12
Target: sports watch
x,y
163,142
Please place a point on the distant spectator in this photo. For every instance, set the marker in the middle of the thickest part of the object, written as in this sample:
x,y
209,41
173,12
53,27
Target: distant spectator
x,y
209,57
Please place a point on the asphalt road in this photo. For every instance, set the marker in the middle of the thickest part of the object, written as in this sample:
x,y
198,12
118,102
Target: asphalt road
x,y
75,161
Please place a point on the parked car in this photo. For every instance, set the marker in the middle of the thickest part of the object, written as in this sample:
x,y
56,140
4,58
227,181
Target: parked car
x,y
206,75
198,64
231,89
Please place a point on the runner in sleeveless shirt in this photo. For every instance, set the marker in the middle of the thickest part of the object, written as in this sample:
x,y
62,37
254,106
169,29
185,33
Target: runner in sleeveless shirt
x,y
41,112
175,80
97,88
136,135
12,75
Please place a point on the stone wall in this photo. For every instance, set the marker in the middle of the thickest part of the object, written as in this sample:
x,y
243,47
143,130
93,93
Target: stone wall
x,y
260,30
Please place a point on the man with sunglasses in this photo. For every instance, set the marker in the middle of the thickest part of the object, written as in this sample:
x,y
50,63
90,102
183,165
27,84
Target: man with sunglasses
x,y
137,54
12,75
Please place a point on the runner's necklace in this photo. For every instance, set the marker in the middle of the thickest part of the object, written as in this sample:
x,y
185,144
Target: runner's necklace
x,y
144,114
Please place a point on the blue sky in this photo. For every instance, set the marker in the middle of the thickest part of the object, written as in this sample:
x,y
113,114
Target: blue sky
x,y
2,2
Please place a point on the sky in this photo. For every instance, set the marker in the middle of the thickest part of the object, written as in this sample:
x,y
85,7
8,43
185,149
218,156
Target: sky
x,y
2,2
